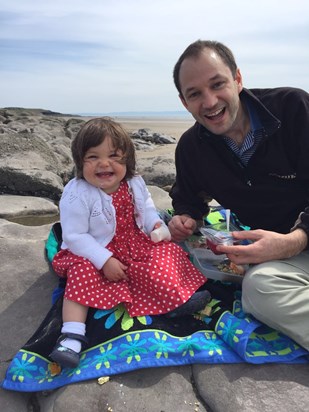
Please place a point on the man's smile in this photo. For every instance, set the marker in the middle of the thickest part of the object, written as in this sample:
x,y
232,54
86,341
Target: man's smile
x,y
217,114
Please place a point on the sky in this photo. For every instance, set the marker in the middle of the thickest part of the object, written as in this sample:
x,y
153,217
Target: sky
x,y
104,56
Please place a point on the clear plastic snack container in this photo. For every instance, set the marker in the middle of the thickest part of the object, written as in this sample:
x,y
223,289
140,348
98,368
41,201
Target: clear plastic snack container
x,y
218,235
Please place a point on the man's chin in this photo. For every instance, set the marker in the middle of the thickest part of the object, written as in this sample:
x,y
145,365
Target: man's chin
x,y
213,128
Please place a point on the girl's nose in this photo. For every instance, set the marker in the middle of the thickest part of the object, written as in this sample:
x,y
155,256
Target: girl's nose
x,y
104,161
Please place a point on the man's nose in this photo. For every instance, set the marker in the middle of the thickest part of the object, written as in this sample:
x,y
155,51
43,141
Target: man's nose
x,y
209,99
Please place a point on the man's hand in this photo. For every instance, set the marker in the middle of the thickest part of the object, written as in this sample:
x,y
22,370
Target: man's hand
x,y
181,227
266,246
114,270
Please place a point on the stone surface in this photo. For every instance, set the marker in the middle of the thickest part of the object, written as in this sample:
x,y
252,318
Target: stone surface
x,y
254,388
35,155
161,389
157,170
19,206
161,197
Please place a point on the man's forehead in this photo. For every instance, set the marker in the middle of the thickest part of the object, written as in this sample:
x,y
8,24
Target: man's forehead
x,y
194,69
207,56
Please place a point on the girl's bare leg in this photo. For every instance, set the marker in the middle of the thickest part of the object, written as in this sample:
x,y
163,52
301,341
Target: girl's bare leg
x,y
74,312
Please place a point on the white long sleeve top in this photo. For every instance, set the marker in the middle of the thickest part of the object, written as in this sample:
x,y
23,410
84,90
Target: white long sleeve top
x,y
88,217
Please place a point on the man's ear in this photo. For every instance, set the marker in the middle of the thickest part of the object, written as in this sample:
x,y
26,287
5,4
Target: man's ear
x,y
238,80
183,101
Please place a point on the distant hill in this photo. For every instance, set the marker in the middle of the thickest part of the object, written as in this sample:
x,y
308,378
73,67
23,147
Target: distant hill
x,y
36,112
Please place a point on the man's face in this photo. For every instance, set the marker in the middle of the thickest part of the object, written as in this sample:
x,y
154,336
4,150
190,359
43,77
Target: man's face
x,y
210,93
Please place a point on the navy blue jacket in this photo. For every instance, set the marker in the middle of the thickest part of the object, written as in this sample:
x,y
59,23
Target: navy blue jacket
x,y
272,191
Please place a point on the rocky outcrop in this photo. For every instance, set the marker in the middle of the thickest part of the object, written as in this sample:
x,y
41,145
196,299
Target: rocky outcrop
x,y
35,155
35,159
146,135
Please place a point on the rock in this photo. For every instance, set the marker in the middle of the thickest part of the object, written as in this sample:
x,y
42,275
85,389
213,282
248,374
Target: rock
x,y
158,389
160,197
253,388
158,170
20,206
153,137
35,154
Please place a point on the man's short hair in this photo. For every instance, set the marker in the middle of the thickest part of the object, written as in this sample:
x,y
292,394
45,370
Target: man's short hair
x,y
195,49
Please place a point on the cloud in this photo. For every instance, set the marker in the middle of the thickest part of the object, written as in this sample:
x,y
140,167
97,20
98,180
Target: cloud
x,y
80,56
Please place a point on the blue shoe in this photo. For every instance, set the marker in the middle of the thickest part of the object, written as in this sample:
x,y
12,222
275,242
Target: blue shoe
x,y
67,357
197,302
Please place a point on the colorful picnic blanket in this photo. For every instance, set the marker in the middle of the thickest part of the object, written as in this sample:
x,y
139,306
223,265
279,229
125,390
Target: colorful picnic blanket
x,y
222,333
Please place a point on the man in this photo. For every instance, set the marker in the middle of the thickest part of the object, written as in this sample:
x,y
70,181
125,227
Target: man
x,y
249,151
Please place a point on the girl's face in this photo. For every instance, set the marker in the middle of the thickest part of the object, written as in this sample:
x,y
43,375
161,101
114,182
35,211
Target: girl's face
x,y
101,166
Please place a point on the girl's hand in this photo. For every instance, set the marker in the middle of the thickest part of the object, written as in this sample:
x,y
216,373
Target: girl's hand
x,y
114,270
157,225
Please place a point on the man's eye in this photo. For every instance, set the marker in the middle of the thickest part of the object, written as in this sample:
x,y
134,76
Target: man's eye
x,y
193,95
218,85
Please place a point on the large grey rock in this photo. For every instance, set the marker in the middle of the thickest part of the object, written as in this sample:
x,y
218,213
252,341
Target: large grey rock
x,y
153,137
35,155
160,197
158,170
158,389
254,388
20,206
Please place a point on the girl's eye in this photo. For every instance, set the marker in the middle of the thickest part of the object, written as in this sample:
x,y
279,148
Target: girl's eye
x,y
90,157
116,156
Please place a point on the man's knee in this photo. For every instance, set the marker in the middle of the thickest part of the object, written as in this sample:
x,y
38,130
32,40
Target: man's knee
x,y
254,289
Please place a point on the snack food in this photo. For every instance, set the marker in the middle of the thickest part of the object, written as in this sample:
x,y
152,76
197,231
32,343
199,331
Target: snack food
x,y
229,267
217,237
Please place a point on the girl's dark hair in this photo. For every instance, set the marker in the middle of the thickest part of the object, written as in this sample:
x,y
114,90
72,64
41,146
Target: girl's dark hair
x,y
195,50
93,133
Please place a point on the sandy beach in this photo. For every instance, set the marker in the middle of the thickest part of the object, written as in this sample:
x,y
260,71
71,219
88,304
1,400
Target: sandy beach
x,y
169,125
174,127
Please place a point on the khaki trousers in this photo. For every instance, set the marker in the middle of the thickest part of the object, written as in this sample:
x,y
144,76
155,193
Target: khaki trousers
x,y
277,294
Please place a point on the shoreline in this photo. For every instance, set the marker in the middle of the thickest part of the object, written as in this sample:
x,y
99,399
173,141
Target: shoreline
x,y
169,125
173,126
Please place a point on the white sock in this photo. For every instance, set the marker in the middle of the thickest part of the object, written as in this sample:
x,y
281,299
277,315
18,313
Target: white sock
x,y
73,327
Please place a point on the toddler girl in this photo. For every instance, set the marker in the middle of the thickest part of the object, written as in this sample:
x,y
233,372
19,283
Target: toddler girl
x,y
107,256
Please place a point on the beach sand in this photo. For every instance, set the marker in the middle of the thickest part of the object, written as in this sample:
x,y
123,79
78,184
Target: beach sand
x,y
174,127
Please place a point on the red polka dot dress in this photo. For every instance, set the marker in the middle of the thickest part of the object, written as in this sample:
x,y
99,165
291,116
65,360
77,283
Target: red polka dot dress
x,y
161,277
